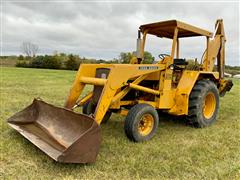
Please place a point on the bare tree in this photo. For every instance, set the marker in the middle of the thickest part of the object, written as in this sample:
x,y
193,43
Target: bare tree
x,y
29,49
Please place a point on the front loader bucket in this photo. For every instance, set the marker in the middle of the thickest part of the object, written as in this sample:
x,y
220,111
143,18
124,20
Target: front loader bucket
x,y
62,134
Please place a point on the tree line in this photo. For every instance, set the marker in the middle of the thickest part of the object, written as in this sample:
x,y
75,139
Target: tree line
x,y
66,61
72,62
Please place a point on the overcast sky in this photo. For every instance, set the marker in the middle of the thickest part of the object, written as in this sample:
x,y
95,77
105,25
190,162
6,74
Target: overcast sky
x,y
102,30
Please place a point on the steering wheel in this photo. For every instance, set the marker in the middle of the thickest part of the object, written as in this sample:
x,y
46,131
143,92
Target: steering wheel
x,y
162,56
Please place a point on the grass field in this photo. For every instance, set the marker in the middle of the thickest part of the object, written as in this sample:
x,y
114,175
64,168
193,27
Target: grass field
x,y
176,152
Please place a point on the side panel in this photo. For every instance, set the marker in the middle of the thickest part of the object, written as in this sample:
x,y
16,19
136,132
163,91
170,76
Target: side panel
x,y
184,89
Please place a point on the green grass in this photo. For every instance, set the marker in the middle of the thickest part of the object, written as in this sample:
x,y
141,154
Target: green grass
x,y
176,152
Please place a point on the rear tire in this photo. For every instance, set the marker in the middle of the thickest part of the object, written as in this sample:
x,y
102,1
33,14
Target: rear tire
x,y
89,108
141,123
203,104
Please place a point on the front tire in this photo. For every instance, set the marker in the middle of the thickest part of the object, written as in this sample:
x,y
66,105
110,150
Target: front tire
x,y
141,123
89,108
203,104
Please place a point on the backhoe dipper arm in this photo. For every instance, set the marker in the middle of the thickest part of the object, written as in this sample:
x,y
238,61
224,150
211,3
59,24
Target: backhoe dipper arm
x,y
216,49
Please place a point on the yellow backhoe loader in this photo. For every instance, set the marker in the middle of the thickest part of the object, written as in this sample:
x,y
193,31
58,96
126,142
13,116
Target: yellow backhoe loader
x,y
136,90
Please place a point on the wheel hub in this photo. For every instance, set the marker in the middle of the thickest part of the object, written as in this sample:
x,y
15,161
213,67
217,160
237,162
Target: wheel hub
x,y
209,105
145,125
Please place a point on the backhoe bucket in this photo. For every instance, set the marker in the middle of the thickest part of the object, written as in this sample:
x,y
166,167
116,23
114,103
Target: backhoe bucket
x,y
62,134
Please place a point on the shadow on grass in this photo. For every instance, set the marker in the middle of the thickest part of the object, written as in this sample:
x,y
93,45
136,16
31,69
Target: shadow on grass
x,y
171,120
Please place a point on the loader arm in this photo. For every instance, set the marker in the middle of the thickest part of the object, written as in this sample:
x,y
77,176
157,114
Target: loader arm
x,y
85,70
118,76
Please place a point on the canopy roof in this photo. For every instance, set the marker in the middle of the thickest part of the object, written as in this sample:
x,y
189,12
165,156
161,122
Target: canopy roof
x,y
166,29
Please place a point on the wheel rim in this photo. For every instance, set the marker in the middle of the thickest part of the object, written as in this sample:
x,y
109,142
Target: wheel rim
x,y
209,105
145,125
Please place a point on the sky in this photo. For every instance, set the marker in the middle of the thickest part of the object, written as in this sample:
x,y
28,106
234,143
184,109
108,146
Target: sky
x,y
103,29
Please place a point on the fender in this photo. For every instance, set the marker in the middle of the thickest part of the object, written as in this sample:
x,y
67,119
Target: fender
x,y
184,89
